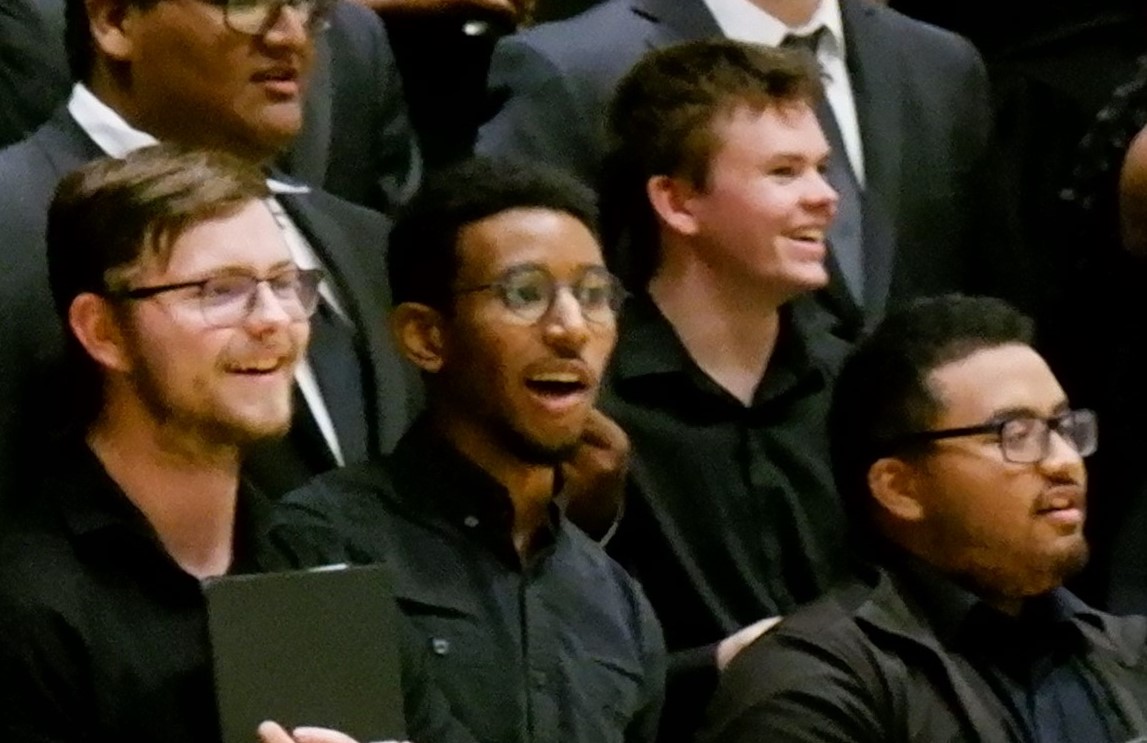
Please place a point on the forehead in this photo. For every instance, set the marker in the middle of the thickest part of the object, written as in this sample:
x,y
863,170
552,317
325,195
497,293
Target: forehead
x,y
248,239
976,388
556,240
751,135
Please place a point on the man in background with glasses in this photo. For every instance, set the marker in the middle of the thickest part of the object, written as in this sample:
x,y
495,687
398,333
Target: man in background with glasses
x,y
507,310
186,317
961,463
228,75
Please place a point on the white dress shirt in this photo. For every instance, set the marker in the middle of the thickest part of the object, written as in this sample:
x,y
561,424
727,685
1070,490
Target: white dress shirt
x,y
741,20
117,138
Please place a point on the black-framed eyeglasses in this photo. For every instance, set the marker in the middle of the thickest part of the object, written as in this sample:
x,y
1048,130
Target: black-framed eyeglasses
x,y
227,300
256,17
1024,439
529,292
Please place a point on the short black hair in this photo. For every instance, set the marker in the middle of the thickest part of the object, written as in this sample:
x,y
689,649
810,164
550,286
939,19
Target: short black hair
x,y
422,257
882,391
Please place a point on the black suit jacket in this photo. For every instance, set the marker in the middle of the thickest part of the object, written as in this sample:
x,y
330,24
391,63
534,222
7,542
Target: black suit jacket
x,y
350,240
935,219
34,75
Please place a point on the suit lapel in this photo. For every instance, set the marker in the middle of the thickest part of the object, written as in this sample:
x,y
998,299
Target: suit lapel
x,y
873,69
65,144
675,21
363,300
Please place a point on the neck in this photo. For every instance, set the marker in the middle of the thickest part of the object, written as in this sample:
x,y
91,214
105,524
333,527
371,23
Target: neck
x,y
186,492
529,485
730,331
792,13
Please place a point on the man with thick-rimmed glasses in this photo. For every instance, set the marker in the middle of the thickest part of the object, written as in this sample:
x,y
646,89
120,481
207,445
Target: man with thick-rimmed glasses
x,y
186,317
228,75
506,308
961,463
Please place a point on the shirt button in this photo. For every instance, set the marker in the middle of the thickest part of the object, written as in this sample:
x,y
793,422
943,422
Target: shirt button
x,y
440,645
470,521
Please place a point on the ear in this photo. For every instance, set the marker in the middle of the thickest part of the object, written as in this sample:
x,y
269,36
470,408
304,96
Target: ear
x,y
892,482
419,333
672,199
110,22
92,321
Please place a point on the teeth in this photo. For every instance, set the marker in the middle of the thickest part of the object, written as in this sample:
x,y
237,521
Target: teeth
x,y
556,377
263,367
809,235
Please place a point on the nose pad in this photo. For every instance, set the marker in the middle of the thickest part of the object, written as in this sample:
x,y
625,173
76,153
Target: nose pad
x,y
265,307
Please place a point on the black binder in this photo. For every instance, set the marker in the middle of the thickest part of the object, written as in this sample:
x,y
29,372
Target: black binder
x,y
310,647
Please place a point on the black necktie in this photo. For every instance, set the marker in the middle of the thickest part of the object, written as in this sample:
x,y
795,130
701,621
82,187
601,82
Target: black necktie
x,y
335,359
847,230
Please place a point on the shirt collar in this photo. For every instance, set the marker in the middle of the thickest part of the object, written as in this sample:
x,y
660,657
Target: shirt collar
x,y
117,138
434,478
742,20
94,506
649,346
956,614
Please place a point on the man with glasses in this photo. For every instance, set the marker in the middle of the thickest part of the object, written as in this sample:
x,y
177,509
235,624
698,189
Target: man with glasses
x,y
186,316
231,76
961,463
505,307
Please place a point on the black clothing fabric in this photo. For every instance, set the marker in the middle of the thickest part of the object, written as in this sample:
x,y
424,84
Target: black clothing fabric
x,y
913,659
562,647
103,637
732,515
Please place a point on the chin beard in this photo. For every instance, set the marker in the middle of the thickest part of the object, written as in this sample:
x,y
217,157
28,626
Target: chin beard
x,y
532,451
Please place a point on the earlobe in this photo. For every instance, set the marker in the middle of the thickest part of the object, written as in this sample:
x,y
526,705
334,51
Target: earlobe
x,y
671,199
892,482
110,24
94,326
419,334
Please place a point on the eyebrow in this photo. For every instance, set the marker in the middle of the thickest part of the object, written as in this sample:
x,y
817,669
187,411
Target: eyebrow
x,y
1022,411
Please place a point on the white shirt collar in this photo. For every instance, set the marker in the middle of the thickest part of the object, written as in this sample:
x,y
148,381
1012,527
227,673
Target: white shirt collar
x,y
742,20
117,138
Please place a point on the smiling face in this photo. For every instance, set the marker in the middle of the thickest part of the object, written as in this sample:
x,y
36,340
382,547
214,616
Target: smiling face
x,y
529,386
1007,529
215,385
761,219
195,81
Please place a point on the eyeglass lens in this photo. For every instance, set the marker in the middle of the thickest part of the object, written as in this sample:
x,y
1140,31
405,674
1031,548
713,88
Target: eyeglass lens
x,y
1027,440
254,17
227,300
529,293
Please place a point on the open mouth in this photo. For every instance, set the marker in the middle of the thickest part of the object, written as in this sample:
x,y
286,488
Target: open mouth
x,y
256,368
809,236
557,385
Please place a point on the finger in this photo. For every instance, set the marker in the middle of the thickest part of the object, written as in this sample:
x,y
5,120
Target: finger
x,y
272,732
603,432
320,735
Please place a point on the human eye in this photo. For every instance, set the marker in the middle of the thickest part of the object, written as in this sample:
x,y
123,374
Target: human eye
x,y
595,290
285,284
525,289
225,289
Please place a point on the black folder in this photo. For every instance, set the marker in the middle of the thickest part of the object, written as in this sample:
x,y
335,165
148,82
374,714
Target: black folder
x,y
311,647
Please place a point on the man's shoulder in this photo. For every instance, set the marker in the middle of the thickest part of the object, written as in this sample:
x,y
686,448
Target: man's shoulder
x,y
602,42
921,41
40,572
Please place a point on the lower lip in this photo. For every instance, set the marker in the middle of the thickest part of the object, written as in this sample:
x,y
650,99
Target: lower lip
x,y
812,250
1065,516
283,88
560,404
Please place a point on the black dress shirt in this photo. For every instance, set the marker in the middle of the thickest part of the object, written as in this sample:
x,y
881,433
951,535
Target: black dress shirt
x,y
1033,663
732,515
103,637
559,648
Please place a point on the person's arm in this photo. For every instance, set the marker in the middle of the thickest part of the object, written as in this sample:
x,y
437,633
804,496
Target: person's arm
x,y
796,689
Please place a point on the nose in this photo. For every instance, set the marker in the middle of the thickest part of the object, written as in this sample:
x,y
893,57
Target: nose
x,y
266,310
291,26
819,192
565,324
1062,456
